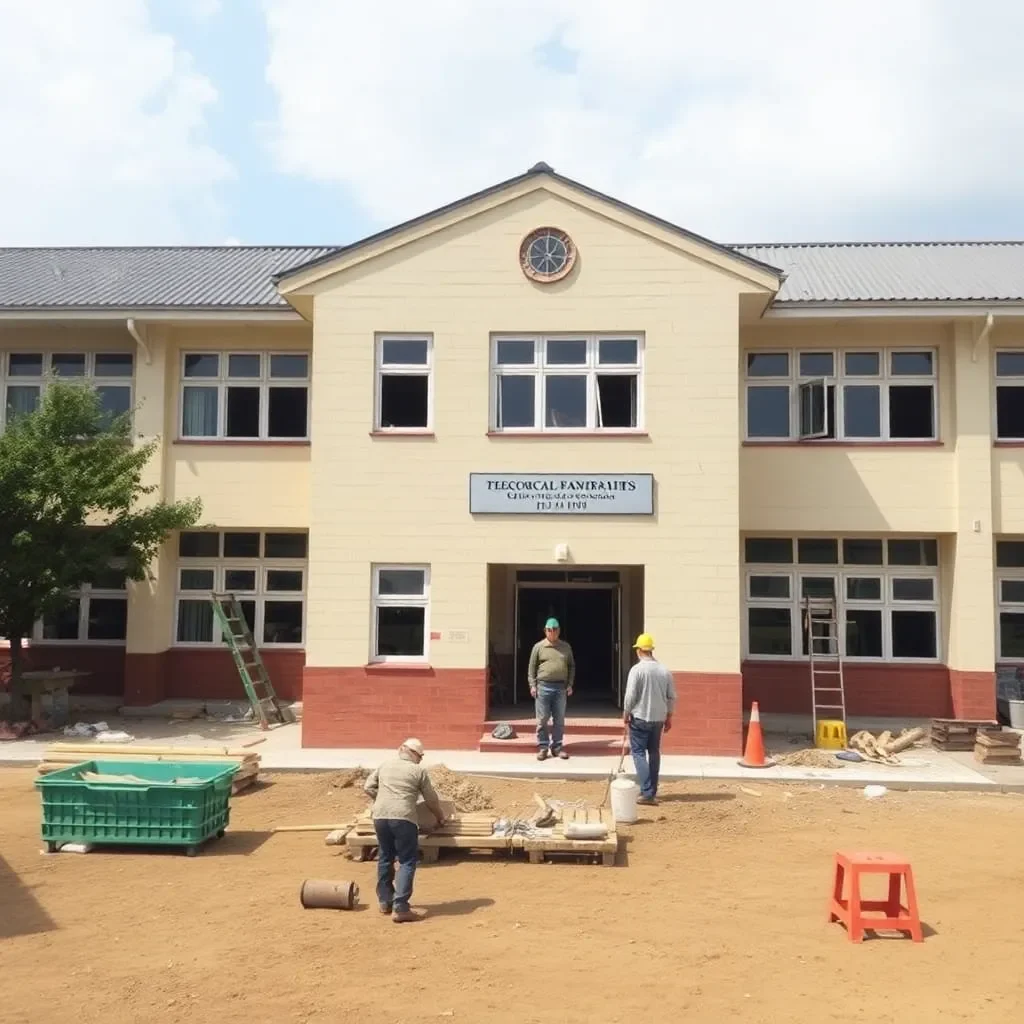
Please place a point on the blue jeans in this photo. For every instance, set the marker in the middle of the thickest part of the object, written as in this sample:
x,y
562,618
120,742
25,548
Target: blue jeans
x,y
645,746
550,703
396,840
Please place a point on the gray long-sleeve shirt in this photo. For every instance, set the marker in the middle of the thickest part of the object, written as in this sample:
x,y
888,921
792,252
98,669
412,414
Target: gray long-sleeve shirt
x,y
650,691
397,786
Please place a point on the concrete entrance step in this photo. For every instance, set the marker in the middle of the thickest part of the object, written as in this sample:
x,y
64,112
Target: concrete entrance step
x,y
573,726
576,744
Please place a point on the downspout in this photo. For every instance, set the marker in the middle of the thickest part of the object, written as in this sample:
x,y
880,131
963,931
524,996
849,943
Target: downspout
x,y
982,336
134,331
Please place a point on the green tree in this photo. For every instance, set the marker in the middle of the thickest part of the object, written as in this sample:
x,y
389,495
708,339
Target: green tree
x,y
72,500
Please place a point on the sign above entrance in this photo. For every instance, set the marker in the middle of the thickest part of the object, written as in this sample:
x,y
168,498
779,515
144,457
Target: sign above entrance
x,y
571,494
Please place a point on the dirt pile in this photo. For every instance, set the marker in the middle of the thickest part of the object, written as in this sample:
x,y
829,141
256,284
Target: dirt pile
x,y
463,792
348,778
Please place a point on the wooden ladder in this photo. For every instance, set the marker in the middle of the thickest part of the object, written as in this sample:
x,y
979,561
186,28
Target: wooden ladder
x,y
828,693
258,688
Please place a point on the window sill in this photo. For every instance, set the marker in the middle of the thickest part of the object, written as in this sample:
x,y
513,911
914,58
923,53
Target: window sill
x,y
404,432
1008,444
580,435
791,659
403,667
241,442
217,647
818,443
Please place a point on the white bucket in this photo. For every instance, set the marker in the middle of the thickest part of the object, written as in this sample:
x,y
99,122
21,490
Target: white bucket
x,y
624,793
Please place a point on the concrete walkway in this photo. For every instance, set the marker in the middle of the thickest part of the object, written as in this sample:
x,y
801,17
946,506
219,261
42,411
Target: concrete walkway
x,y
281,750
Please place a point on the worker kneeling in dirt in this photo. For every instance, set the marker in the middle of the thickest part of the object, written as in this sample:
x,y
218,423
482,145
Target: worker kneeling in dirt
x,y
396,787
647,710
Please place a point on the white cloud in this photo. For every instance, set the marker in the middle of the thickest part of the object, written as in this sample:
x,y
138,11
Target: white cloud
x,y
103,128
202,10
741,120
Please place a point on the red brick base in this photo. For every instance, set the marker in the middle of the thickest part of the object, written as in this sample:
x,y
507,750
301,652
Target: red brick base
x,y
373,706
106,665
879,691
709,714
974,694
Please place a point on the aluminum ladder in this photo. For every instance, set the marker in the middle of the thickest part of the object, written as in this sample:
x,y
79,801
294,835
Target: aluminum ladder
x,y
258,688
828,693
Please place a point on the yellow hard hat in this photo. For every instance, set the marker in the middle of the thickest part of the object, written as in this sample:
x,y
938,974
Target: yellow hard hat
x,y
644,642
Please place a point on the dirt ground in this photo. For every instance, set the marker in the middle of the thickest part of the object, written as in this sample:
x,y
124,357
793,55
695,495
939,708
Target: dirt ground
x,y
716,912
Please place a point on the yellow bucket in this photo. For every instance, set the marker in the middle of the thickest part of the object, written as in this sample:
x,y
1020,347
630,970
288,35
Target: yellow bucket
x,y
831,734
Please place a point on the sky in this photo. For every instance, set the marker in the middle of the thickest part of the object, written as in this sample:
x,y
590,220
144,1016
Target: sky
x,y
321,121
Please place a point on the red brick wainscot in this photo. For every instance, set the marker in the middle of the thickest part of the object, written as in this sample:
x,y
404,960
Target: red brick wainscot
x,y
205,674
106,665
974,694
709,714
381,705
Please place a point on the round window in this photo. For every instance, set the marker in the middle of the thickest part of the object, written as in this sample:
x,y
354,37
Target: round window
x,y
547,254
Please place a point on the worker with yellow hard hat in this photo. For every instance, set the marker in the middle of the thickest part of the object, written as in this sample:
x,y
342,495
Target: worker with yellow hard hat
x,y
647,712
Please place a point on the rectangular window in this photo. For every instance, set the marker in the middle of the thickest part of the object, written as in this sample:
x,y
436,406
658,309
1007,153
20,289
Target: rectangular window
x,y
1010,600
24,377
885,395
886,594
245,395
1010,396
266,571
404,383
586,383
401,598
95,613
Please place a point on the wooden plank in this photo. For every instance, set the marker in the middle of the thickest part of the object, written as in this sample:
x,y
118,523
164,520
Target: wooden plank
x,y
131,748
309,828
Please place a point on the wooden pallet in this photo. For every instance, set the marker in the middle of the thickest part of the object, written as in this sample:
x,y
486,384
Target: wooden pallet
x,y
997,747
538,850
460,832
957,733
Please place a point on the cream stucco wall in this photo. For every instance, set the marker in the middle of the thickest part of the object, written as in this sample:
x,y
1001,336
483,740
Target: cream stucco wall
x,y
404,500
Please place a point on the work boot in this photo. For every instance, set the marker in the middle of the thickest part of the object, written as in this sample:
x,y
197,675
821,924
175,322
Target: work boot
x,y
405,916
647,801
385,908
542,755
560,754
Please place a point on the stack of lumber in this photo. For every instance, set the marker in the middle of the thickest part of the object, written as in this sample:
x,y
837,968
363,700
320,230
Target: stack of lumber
x,y
62,755
997,746
957,733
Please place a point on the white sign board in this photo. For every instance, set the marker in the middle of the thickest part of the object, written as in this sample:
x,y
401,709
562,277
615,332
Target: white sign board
x,y
580,494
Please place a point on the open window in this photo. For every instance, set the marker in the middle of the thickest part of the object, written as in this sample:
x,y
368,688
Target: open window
x,y
817,410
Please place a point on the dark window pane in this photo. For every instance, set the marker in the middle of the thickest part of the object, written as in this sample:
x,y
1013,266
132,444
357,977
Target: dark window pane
x,y
68,364
1010,412
243,412
769,631
195,622
28,364
825,642
862,410
115,400
108,618
244,366
618,351
248,607
63,625
114,364
1012,591
241,545
1010,554
913,590
862,364
282,622
22,399
817,587
404,352
768,551
1010,364
566,352
565,401
911,364
284,579
109,579
616,400
516,353
1011,634
776,587
910,411
236,580
863,588
817,410
199,545
202,364
863,633
293,365
285,545
403,400
768,411
199,411
817,364
400,632
913,552
516,398
287,412
913,634
767,364
817,551
862,552
401,582
196,579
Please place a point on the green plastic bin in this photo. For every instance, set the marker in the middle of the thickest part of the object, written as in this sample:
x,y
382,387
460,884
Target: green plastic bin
x,y
156,812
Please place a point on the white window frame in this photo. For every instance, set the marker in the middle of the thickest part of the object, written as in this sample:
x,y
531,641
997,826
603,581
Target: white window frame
x,y
261,595
90,376
799,385
1009,380
222,381
842,571
378,600
1008,574
382,370
591,370
84,596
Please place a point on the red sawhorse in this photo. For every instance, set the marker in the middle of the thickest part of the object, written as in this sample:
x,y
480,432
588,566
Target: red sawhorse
x,y
851,911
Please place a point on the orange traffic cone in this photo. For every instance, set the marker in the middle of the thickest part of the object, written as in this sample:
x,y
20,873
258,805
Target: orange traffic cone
x,y
753,754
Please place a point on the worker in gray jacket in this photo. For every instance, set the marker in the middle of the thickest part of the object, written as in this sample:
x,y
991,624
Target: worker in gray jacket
x,y
647,711
551,673
396,787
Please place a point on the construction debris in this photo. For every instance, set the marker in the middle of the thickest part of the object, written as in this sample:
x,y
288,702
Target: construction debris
x,y
957,733
997,746
809,758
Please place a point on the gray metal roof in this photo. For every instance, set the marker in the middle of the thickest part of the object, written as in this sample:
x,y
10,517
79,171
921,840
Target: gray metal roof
x,y
186,277
896,271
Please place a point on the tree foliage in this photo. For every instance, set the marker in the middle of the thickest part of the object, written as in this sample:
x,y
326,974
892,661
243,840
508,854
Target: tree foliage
x,y
72,499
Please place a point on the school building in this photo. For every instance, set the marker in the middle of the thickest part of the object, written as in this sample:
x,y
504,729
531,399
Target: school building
x,y
539,400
